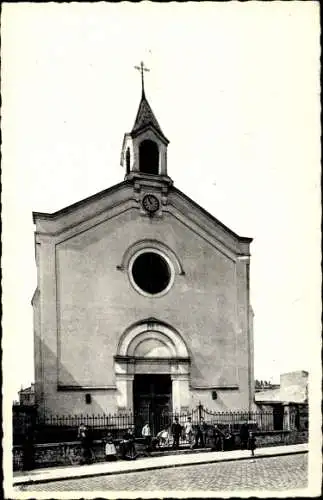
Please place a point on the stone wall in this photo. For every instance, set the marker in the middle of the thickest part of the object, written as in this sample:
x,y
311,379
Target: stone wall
x,y
280,438
53,454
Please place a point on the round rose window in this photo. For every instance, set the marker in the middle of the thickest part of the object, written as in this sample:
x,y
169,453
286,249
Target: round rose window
x,y
151,272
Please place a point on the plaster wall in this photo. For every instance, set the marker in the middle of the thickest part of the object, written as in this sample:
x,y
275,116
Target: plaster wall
x,y
87,302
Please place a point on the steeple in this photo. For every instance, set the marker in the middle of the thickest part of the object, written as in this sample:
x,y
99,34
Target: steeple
x,y
145,118
144,149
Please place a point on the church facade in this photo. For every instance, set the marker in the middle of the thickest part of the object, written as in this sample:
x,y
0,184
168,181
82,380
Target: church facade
x,y
142,296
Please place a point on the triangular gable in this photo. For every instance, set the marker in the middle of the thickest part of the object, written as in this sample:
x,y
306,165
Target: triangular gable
x,y
112,200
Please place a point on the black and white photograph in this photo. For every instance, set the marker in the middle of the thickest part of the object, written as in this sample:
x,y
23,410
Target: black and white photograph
x,y
161,249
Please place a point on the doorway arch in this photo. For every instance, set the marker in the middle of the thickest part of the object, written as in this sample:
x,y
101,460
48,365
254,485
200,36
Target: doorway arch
x,y
157,351
152,328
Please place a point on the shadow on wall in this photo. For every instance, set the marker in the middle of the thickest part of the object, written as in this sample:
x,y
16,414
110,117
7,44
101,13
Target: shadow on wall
x,y
58,398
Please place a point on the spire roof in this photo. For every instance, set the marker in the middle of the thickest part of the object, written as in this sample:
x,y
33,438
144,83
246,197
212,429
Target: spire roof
x,y
145,117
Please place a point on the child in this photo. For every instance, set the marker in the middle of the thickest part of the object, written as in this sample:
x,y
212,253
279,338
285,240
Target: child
x,y
110,449
188,432
252,443
146,434
163,438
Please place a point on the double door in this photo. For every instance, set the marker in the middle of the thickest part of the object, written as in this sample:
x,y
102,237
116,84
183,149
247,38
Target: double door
x,y
152,402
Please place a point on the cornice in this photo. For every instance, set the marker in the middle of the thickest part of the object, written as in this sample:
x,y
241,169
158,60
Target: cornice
x,y
133,360
62,388
175,202
215,387
204,232
79,204
149,180
189,200
151,127
71,228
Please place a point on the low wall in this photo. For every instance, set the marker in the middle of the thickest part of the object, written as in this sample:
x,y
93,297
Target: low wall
x,y
53,454
280,438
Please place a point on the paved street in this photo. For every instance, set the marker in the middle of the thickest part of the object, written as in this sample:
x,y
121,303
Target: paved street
x,y
275,473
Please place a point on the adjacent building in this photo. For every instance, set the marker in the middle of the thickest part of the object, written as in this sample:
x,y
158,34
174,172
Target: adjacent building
x,y
27,396
288,401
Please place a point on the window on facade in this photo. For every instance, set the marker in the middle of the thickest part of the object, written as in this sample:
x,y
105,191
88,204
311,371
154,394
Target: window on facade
x,y
149,157
151,272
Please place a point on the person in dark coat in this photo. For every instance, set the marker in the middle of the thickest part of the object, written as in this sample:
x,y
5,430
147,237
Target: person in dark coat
x,y
200,435
244,435
128,449
218,437
228,443
86,443
252,443
176,432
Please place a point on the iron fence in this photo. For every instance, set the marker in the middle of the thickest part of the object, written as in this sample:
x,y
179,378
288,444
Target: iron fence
x,y
57,428
260,421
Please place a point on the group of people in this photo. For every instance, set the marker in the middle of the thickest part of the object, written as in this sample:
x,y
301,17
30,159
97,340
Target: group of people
x,y
201,434
195,435
173,433
127,445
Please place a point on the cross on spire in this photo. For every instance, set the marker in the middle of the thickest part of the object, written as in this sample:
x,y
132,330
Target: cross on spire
x,y
142,68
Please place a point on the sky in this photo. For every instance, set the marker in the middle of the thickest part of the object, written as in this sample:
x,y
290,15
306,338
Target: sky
x,y
235,88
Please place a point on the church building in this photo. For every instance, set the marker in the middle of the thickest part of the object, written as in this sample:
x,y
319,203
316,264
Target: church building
x,y
142,296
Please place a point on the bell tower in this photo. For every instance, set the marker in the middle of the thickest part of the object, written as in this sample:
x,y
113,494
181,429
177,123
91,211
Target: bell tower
x,y
144,149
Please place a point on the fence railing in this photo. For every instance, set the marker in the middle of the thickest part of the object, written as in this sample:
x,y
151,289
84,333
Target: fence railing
x,y
55,428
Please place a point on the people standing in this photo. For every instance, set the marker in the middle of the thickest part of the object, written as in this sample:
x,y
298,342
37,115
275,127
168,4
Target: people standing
x,y
200,436
110,449
244,435
228,441
176,431
84,436
128,449
218,439
146,434
252,443
188,430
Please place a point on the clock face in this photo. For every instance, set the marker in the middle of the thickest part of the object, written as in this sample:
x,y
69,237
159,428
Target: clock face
x,y
150,203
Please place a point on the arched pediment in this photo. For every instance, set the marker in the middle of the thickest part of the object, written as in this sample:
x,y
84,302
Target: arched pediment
x,y
152,348
152,339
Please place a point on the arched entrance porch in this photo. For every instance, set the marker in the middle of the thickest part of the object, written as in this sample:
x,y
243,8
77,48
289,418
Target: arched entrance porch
x,y
152,370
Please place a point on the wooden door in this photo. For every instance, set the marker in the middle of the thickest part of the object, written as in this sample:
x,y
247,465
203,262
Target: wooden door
x,y
152,401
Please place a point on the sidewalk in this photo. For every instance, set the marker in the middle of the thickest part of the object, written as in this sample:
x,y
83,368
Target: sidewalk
x,y
149,463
